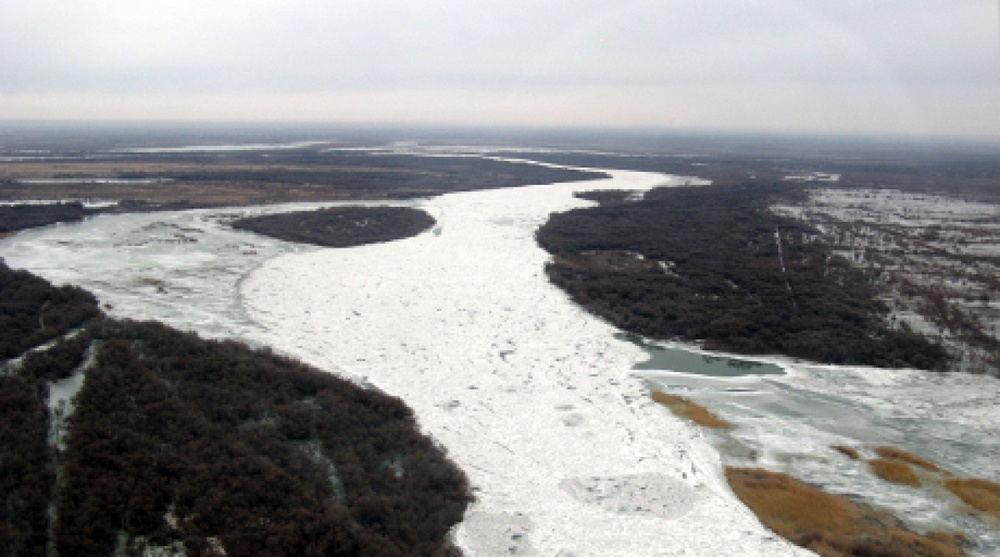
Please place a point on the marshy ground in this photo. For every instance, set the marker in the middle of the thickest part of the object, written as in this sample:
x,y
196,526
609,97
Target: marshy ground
x,y
835,525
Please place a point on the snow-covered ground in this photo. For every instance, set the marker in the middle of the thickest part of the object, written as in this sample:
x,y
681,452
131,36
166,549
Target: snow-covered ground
x,y
936,256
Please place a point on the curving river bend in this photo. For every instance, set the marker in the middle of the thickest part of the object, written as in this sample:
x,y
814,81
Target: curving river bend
x,y
534,398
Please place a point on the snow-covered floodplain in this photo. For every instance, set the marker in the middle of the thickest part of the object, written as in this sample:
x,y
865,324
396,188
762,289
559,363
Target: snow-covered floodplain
x,y
792,423
530,395
179,267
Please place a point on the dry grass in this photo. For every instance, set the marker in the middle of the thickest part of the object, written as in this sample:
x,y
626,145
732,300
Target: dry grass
x,y
827,524
980,494
108,169
956,539
893,453
851,452
201,194
895,472
685,408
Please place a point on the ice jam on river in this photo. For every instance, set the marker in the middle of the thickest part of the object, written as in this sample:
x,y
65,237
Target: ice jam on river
x,y
534,398
531,396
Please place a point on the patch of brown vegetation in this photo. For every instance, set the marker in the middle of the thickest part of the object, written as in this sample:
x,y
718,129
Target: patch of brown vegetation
x,y
956,539
895,472
113,168
830,525
893,453
685,408
253,178
850,452
196,194
980,494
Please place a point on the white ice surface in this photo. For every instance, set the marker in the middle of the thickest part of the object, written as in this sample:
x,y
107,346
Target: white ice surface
x,y
530,395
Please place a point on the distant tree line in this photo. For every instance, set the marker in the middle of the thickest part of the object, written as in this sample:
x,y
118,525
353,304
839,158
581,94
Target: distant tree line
x,y
251,177
382,175
713,265
397,176
183,442
22,217
340,226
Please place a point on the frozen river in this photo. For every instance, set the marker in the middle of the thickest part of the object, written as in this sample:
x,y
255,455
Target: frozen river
x,y
535,399
530,395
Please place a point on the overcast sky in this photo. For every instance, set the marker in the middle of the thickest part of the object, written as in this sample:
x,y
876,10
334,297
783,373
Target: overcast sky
x,y
884,66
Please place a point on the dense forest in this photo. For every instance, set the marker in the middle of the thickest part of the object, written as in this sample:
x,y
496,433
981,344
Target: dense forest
x,y
340,227
33,312
713,265
19,217
213,448
27,476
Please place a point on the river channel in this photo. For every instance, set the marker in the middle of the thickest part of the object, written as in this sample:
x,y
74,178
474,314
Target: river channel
x,y
546,407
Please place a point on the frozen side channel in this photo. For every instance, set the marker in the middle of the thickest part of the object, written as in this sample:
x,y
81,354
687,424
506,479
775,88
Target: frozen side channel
x,y
531,396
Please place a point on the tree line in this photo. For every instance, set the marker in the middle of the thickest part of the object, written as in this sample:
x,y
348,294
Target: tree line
x,y
20,217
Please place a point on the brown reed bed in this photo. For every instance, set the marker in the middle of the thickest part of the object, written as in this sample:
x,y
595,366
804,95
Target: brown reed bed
x,y
693,411
830,525
983,495
895,472
850,452
894,453
836,526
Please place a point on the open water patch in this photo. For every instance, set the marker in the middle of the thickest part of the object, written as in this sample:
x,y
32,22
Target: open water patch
x,y
664,358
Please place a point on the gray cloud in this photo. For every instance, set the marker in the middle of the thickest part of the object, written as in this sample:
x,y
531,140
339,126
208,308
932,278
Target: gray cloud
x,y
817,55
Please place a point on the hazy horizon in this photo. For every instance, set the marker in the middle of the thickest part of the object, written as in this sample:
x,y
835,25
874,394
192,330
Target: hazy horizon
x,y
95,135
896,68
